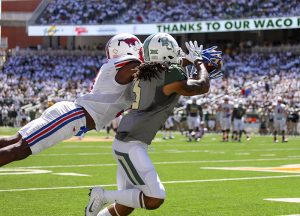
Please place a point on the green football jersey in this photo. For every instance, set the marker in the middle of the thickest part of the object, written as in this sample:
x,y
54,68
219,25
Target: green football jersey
x,y
151,107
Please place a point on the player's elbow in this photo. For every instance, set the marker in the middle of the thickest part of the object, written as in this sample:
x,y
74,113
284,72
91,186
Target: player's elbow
x,y
206,87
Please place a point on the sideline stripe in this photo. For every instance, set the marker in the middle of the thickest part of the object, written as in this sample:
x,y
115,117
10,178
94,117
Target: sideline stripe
x,y
164,162
166,182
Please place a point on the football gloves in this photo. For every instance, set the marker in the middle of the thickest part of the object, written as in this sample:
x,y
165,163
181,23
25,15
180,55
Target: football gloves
x,y
207,56
194,51
212,56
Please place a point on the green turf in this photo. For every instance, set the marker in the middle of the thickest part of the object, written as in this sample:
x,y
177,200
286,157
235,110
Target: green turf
x,y
176,161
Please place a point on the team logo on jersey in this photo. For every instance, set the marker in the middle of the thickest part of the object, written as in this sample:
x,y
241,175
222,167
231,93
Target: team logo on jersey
x,y
129,41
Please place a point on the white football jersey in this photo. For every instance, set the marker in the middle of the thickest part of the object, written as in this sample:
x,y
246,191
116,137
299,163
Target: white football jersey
x,y
226,110
107,97
280,112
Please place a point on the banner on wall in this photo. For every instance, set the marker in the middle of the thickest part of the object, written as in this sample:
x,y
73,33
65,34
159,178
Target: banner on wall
x,y
172,28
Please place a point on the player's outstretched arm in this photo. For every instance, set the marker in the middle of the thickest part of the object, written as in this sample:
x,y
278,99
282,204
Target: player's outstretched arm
x,y
126,74
191,87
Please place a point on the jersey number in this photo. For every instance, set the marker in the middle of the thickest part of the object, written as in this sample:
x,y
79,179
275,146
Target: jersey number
x,y
137,91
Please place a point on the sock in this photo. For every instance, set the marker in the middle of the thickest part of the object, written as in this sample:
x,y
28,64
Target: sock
x,y
165,134
130,197
104,212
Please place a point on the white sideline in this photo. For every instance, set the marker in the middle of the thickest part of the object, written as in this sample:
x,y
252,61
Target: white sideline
x,y
166,182
164,162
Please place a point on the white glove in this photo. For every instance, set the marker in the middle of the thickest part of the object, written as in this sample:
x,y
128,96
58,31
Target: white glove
x,y
194,51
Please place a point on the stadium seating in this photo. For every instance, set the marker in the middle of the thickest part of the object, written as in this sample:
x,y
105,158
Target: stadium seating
x,y
102,11
258,78
81,11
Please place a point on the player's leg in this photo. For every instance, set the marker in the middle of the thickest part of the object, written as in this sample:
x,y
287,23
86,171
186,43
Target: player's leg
x,y
59,122
275,136
227,135
240,130
14,152
148,192
234,135
171,136
283,130
165,133
6,141
190,123
116,209
247,135
223,128
276,128
135,162
196,126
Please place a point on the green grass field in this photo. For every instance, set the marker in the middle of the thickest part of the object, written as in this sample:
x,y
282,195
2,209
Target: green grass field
x,y
191,173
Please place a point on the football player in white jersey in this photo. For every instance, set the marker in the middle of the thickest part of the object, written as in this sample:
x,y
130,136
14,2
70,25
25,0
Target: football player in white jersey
x,y
110,94
226,110
280,115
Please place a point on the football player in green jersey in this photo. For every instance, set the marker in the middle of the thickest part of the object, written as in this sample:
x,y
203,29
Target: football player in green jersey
x,y
139,185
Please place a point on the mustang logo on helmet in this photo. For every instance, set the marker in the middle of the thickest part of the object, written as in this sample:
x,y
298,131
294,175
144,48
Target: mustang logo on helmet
x,y
124,44
129,41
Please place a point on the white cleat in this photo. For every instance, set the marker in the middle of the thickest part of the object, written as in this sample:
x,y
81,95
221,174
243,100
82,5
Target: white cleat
x,y
96,201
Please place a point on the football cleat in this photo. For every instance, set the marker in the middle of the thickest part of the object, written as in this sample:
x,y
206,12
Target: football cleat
x,y
96,201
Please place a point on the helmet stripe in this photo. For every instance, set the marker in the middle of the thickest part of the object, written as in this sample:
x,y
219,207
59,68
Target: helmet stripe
x,y
146,47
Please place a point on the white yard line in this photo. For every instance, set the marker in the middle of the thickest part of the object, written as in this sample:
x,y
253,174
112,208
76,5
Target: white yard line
x,y
109,153
243,153
166,182
163,162
166,152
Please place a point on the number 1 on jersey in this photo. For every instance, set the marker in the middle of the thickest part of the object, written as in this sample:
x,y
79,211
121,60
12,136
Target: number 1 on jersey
x,y
137,91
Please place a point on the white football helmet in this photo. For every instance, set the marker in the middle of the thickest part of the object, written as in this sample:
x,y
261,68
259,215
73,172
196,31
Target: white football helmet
x,y
124,44
161,47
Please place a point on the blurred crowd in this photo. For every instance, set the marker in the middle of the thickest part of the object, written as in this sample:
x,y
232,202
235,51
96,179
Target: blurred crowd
x,y
254,78
102,11
41,79
81,11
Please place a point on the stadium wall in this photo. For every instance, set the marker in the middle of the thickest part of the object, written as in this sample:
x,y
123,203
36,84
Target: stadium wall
x,y
17,36
20,5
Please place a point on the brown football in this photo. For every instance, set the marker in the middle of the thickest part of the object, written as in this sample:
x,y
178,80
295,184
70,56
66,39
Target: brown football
x,y
210,67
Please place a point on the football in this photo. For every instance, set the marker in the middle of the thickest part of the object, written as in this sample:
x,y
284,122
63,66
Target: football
x,y
210,67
